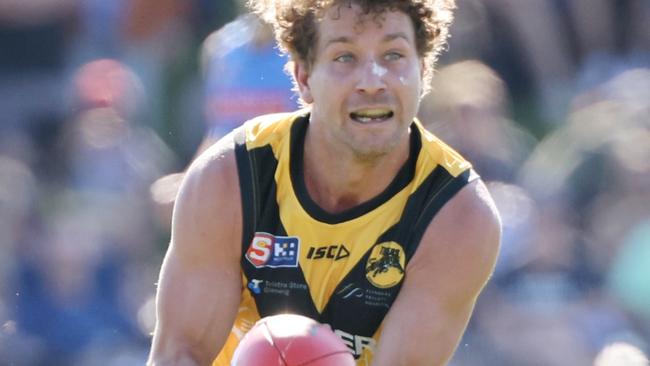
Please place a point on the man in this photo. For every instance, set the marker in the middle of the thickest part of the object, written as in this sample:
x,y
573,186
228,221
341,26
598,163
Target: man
x,y
349,211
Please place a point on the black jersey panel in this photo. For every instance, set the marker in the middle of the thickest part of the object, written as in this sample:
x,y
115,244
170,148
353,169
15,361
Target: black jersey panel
x,y
401,180
275,290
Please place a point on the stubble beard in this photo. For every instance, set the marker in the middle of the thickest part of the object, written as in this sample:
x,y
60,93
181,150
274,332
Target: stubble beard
x,y
369,152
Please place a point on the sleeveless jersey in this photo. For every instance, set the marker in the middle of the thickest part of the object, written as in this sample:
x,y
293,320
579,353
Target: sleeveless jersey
x,y
343,269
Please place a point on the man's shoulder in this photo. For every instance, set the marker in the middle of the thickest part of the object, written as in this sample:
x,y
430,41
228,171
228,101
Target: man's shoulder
x,y
268,129
214,171
468,225
471,212
219,159
460,246
207,218
437,152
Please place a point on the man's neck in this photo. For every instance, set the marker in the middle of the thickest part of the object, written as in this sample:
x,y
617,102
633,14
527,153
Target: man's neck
x,y
337,180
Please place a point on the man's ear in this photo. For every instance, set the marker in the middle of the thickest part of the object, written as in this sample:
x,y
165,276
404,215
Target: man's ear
x,y
301,76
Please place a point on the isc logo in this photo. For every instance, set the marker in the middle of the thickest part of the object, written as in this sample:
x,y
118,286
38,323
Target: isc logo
x,y
267,250
335,252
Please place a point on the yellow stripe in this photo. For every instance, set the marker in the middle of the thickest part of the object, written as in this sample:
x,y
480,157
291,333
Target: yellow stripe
x,y
247,316
271,129
436,152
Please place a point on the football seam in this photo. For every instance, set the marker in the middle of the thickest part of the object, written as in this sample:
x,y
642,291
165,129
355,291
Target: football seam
x,y
306,363
274,344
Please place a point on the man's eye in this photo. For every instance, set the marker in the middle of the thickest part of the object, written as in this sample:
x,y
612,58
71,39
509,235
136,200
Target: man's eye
x,y
393,56
344,58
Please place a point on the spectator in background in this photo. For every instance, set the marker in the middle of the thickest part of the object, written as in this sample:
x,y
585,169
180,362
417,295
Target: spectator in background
x,y
34,36
81,273
549,51
18,191
151,37
244,77
158,40
468,107
107,149
597,165
589,184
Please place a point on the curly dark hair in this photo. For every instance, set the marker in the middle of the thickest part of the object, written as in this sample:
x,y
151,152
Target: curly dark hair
x,y
294,22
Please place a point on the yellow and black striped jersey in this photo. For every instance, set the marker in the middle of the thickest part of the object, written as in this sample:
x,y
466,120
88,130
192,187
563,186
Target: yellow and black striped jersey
x,y
343,269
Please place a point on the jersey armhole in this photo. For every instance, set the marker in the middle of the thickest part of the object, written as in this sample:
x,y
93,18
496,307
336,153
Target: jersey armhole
x,y
432,205
245,171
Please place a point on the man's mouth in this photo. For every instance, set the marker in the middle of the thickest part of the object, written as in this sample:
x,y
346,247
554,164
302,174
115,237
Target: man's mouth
x,y
371,115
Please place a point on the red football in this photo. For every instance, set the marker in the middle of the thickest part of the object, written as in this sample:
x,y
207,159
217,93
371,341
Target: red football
x,y
291,340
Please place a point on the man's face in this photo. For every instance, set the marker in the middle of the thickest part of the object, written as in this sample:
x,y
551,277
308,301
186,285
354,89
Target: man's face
x,y
365,81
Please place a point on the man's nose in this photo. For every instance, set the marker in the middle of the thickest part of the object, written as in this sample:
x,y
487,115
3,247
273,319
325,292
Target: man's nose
x,y
372,78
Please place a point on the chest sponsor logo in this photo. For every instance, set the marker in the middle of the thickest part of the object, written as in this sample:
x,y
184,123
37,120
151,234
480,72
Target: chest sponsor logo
x,y
255,286
267,250
369,297
275,287
356,343
335,252
385,266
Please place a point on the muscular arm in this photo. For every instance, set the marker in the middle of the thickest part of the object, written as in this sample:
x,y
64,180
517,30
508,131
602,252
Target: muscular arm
x,y
200,282
443,280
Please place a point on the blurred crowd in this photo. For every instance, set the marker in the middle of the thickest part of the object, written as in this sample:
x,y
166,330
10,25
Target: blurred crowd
x,y
104,103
